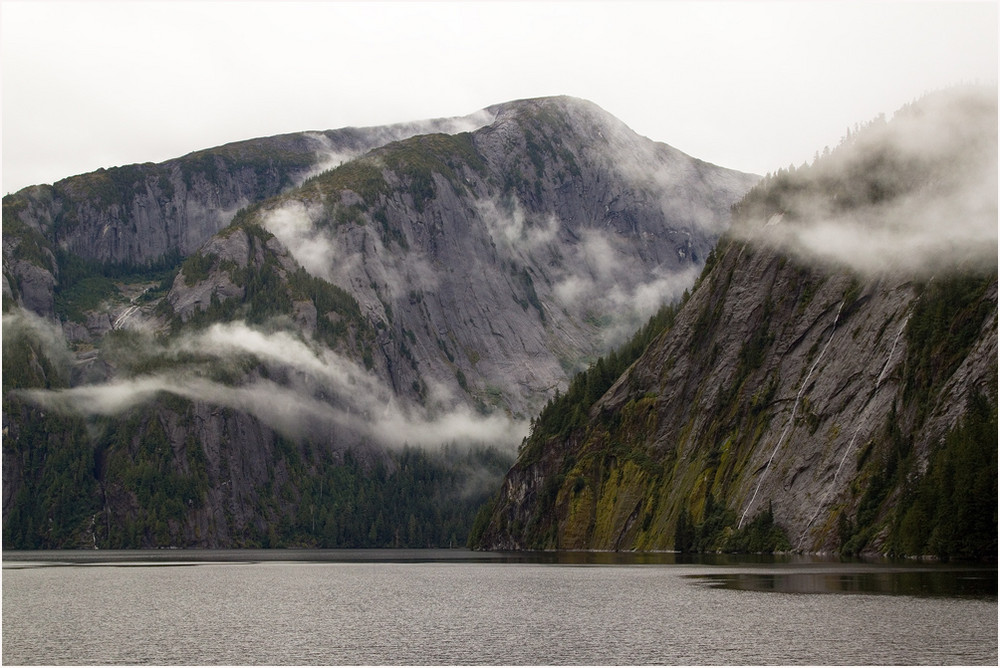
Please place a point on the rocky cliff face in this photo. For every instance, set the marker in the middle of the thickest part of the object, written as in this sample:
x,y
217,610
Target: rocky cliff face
x,y
434,291
136,216
836,363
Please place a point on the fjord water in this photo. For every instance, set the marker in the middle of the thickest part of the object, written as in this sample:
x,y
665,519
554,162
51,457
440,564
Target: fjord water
x,y
456,607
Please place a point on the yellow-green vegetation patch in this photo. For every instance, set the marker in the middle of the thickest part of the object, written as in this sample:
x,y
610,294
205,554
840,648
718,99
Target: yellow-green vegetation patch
x,y
639,421
472,355
619,497
577,497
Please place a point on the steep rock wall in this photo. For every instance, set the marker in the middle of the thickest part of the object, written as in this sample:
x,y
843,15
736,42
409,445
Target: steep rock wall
x,y
777,387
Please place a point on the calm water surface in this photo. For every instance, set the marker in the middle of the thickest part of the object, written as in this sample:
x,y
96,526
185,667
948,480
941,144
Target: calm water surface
x,y
454,607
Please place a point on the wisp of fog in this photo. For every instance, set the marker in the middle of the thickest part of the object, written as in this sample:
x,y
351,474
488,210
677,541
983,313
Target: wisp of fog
x,y
319,390
916,195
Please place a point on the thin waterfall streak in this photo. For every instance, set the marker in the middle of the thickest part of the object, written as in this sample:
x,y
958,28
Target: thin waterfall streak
x,y
850,445
791,419
742,248
120,320
885,366
832,485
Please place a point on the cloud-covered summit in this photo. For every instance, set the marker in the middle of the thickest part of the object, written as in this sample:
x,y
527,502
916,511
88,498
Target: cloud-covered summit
x,y
916,194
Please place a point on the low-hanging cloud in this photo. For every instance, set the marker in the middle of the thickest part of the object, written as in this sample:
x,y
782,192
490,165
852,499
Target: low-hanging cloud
x,y
919,235
629,307
320,395
592,270
508,227
663,177
294,225
337,254
937,159
600,281
330,155
327,156
23,323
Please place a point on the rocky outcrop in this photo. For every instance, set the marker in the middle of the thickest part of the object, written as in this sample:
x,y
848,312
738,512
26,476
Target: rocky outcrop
x,y
774,389
29,269
35,286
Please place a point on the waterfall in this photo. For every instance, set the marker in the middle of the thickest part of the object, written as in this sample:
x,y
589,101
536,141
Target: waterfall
x,y
850,444
791,419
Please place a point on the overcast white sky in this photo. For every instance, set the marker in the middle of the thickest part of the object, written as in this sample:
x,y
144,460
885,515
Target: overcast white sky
x,y
748,85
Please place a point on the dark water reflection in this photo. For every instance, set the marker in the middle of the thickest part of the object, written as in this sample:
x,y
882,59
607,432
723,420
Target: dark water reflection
x,y
784,573
968,582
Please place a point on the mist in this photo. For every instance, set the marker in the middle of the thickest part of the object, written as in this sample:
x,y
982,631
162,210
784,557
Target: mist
x,y
330,156
934,169
310,392
294,225
600,283
592,272
303,390
22,323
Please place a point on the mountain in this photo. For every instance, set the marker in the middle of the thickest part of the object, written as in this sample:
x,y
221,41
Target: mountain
x,y
154,214
302,369
830,384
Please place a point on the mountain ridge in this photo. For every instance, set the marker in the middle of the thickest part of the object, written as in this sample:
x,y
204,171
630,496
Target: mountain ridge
x,y
434,290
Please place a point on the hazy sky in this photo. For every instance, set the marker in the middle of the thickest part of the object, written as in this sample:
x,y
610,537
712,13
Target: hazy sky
x,y
749,85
